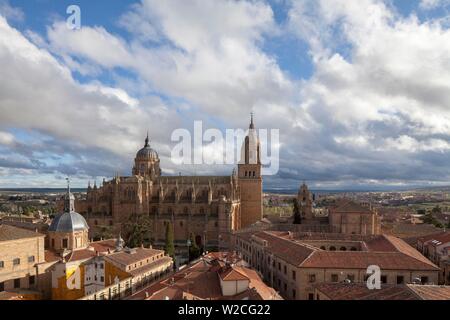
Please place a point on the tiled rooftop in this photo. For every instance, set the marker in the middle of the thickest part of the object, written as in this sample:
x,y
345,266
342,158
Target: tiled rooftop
x,y
388,252
8,233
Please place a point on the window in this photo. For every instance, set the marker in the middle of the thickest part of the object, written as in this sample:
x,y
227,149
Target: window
x,y
400,279
351,277
101,265
353,249
16,262
312,278
310,296
323,248
31,280
2,286
285,287
31,259
53,243
16,283
2,264
65,243
383,279
332,248
285,270
294,294
279,266
102,279
424,280
334,278
343,249
294,275
317,297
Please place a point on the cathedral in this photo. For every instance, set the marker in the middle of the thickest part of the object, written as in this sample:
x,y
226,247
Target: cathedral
x,y
209,207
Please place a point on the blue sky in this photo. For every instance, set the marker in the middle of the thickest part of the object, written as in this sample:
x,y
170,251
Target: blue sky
x,y
358,89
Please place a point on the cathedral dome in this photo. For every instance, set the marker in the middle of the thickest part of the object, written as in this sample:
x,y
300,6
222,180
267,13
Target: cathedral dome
x,y
68,222
147,153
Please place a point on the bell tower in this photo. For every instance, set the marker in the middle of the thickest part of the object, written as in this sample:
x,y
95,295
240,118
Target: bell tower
x,y
250,178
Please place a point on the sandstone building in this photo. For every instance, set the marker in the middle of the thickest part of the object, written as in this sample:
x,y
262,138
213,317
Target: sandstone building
x,y
344,216
216,276
72,267
21,253
294,264
209,207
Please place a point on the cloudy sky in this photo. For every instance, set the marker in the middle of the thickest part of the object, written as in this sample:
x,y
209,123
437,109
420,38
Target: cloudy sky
x,y
360,90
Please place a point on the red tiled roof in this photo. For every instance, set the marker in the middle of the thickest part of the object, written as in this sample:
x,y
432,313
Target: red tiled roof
x,y
51,256
388,252
201,281
364,259
359,291
232,274
135,255
349,206
294,253
430,292
104,245
8,233
436,236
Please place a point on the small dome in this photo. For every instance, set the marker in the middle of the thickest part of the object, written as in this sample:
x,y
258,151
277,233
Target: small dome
x,y
147,153
68,222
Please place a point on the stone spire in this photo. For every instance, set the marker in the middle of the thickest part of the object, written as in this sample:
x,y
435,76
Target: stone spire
x,y
146,141
69,199
252,126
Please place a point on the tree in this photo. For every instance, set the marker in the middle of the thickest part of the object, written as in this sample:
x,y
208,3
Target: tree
x,y
297,214
436,209
137,230
194,250
169,248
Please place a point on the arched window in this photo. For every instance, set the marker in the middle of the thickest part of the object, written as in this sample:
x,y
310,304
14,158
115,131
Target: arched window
x,y
343,249
353,249
181,223
332,248
323,248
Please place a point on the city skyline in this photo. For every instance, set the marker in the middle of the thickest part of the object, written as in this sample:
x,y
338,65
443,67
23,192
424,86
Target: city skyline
x,y
357,91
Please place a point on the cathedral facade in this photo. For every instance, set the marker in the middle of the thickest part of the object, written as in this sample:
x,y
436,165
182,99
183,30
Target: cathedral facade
x,y
209,207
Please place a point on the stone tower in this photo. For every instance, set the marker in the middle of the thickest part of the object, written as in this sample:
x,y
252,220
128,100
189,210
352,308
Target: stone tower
x,y
250,179
305,201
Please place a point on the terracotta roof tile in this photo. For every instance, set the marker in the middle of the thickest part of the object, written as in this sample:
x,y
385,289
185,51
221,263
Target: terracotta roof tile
x,y
133,256
8,233
359,291
430,292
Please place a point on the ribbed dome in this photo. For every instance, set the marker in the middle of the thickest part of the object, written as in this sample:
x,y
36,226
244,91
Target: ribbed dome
x,y
68,222
147,153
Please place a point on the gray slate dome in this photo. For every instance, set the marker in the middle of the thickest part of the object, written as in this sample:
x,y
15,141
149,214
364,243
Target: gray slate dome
x,y
147,153
68,222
